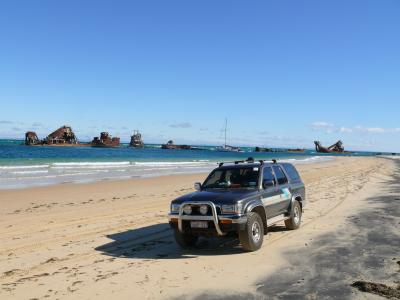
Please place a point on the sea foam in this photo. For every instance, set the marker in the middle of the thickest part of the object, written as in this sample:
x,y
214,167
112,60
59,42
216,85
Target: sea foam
x,y
20,176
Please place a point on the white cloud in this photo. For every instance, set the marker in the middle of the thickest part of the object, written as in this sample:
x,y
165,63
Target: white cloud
x,y
372,129
324,126
181,125
321,125
376,130
329,128
345,129
37,124
263,133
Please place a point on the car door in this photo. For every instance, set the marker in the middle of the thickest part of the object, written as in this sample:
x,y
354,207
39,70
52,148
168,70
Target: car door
x,y
296,184
283,190
271,195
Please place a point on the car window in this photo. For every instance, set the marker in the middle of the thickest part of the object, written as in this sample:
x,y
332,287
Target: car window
x,y
280,176
233,178
268,175
291,171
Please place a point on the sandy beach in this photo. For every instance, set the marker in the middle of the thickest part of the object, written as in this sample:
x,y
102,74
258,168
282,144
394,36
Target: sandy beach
x,y
111,239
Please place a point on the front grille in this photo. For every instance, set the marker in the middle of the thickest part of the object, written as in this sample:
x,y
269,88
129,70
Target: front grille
x,y
196,211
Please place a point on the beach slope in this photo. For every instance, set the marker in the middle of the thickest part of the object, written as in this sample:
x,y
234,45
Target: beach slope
x,y
112,240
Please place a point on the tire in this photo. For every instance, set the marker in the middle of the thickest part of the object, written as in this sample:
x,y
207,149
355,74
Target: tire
x,y
185,240
252,236
295,216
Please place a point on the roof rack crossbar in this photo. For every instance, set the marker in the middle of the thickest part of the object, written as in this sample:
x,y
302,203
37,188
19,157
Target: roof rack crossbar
x,y
248,160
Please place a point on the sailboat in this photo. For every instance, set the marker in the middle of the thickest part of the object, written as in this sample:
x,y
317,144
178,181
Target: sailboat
x,y
225,147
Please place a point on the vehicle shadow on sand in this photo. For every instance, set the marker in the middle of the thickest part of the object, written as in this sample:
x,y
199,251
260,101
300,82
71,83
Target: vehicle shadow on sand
x,y
157,242
366,248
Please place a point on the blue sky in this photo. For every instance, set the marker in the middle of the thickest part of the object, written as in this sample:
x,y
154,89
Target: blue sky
x,y
284,73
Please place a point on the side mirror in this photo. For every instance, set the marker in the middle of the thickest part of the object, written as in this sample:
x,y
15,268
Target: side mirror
x,y
268,183
197,186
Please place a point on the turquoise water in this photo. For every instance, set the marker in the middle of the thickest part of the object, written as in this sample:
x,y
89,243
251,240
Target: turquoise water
x,y
24,166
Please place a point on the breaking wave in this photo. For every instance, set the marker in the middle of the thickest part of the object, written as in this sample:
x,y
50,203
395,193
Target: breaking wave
x,y
20,176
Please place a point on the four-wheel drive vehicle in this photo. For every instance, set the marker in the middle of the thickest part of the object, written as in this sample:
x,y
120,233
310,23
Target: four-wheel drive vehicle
x,y
242,198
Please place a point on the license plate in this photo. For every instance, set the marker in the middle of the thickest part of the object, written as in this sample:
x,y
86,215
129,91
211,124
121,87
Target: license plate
x,y
198,224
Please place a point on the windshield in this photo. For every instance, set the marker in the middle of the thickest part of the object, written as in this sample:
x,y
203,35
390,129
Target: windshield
x,y
233,178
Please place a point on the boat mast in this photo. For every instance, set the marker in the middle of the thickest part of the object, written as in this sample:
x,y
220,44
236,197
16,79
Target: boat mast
x,y
226,125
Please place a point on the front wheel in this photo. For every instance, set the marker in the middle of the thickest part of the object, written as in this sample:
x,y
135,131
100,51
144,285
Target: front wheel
x,y
252,236
295,216
185,240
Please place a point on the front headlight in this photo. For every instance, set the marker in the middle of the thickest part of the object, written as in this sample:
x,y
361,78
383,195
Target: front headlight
x,y
203,209
175,208
230,209
187,209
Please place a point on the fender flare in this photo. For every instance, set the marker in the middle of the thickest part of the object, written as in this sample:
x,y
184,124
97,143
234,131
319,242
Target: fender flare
x,y
294,198
256,203
252,204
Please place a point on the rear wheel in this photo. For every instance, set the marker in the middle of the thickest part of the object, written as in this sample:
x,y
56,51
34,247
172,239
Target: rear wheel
x,y
185,240
295,216
252,236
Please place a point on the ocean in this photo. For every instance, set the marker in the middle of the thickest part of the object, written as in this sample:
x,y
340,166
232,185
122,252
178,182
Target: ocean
x,y
29,166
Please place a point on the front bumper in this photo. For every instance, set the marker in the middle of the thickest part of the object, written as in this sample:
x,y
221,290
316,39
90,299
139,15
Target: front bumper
x,y
221,224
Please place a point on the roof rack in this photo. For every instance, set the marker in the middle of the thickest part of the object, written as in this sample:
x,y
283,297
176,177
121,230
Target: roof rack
x,y
249,160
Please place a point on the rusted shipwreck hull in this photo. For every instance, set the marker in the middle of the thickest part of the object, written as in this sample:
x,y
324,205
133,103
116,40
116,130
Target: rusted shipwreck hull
x,y
297,150
136,140
260,149
31,139
170,145
105,140
335,148
63,136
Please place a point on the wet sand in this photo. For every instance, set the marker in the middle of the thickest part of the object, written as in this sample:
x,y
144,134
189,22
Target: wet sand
x,y
112,240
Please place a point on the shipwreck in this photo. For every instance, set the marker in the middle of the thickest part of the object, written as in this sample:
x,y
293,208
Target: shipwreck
x,y
136,140
61,136
31,138
335,148
261,149
105,140
170,145
296,150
